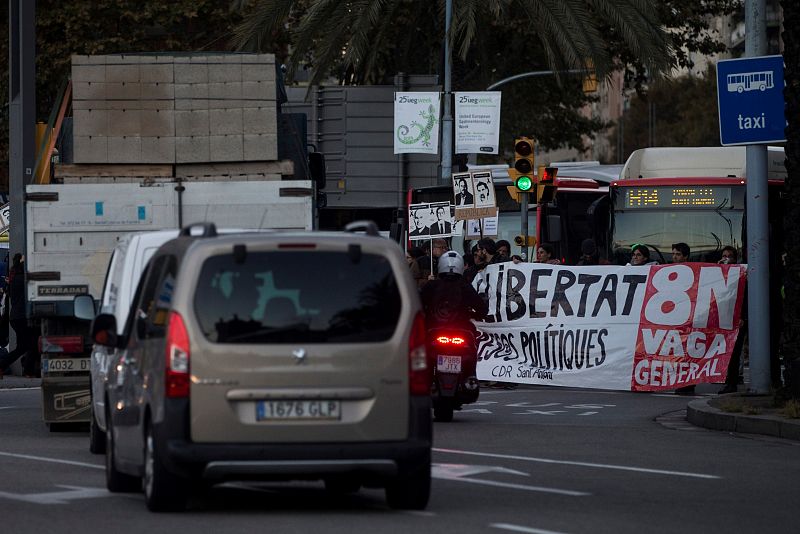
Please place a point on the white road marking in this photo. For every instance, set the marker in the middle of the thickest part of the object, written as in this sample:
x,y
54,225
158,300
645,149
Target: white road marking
x,y
542,489
539,412
53,460
463,470
580,464
3,390
478,410
57,497
421,513
460,472
518,528
6,407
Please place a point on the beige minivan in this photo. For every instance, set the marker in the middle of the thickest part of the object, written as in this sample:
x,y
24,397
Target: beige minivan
x,y
271,357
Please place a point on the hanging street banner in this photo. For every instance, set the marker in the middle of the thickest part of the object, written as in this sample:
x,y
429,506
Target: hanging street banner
x,y
477,122
416,123
647,328
5,217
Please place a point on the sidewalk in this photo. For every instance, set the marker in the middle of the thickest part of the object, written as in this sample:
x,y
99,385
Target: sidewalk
x,y
708,413
16,382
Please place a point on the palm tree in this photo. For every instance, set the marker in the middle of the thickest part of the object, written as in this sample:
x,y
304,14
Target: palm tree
x,y
790,347
355,36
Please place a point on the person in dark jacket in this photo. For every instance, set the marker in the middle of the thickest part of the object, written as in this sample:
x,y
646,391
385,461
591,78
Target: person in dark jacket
x,y
450,300
16,293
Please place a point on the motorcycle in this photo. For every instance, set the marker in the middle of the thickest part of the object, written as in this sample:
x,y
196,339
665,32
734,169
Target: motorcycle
x,y
454,381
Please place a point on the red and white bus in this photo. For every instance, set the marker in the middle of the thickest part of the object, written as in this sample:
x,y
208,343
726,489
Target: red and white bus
x,y
690,195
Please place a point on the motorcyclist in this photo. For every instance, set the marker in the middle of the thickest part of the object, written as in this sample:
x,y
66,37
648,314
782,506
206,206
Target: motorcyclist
x,y
450,301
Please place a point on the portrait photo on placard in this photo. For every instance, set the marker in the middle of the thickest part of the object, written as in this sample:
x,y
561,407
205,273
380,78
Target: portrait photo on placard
x,y
442,225
458,226
484,192
462,188
419,221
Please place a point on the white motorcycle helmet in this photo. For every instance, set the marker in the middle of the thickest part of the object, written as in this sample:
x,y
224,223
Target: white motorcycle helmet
x,y
451,263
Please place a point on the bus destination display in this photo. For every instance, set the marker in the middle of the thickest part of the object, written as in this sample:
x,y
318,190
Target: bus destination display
x,y
677,196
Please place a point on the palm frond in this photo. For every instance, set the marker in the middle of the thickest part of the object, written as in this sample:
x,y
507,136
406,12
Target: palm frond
x,y
268,17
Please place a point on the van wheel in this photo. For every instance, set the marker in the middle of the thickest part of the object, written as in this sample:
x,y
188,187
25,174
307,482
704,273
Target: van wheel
x,y
117,481
97,438
163,491
411,491
443,411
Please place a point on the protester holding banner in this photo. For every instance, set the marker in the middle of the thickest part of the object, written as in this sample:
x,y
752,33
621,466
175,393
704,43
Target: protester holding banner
x,y
640,255
438,247
475,266
590,255
544,254
730,256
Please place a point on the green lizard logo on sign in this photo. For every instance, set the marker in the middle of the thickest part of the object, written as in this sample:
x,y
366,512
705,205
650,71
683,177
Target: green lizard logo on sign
x,y
424,131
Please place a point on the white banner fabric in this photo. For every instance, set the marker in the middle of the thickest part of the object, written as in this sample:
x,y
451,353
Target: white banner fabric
x,y
648,328
416,123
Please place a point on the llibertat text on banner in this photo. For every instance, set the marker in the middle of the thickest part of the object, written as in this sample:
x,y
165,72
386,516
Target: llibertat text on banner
x,y
646,328
477,122
416,122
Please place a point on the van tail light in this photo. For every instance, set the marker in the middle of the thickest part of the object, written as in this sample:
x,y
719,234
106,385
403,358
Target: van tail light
x,y
61,344
419,373
177,379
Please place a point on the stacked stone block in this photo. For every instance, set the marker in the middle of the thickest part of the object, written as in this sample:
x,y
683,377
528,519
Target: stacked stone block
x,y
174,109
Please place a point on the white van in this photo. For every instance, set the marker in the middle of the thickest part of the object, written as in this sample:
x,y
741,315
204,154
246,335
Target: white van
x,y
127,262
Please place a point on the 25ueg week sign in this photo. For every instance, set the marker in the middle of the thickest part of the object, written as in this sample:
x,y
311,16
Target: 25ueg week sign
x,y
628,328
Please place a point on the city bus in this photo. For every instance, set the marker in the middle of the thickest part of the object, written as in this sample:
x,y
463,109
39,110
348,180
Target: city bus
x,y
690,195
564,223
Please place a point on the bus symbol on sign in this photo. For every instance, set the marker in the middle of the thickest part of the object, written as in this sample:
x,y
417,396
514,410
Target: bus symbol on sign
x,y
750,81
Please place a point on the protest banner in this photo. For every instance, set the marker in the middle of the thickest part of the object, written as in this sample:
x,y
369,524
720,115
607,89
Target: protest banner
x,y
648,328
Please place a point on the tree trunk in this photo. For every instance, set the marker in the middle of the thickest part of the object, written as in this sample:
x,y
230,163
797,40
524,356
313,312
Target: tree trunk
x,y
790,346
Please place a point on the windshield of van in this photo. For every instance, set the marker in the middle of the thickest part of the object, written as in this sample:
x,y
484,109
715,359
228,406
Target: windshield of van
x,y
298,296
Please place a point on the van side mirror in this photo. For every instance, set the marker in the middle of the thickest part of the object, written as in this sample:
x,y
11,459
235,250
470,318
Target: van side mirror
x,y
104,330
83,307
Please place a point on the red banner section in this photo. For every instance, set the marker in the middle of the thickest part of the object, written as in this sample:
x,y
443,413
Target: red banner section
x,y
688,327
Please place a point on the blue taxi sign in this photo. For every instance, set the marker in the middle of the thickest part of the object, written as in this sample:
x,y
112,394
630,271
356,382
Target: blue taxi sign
x,y
750,101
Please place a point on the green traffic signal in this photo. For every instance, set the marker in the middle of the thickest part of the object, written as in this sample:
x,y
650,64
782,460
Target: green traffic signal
x,y
524,183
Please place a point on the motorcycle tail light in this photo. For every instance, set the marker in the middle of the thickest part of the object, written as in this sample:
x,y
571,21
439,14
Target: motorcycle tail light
x,y
450,340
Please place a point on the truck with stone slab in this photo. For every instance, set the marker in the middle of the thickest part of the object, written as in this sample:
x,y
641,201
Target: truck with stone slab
x,y
158,141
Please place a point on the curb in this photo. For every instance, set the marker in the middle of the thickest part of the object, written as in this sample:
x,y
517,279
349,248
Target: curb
x,y
17,382
701,413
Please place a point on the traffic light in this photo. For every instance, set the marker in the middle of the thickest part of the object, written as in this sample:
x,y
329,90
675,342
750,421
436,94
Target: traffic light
x,y
546,187
522,174
523,241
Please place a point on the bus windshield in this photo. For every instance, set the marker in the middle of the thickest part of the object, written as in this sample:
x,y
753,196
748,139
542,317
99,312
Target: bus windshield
x,y
705,231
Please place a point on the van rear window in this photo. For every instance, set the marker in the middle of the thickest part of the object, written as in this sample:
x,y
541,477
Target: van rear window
x,y
297,296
